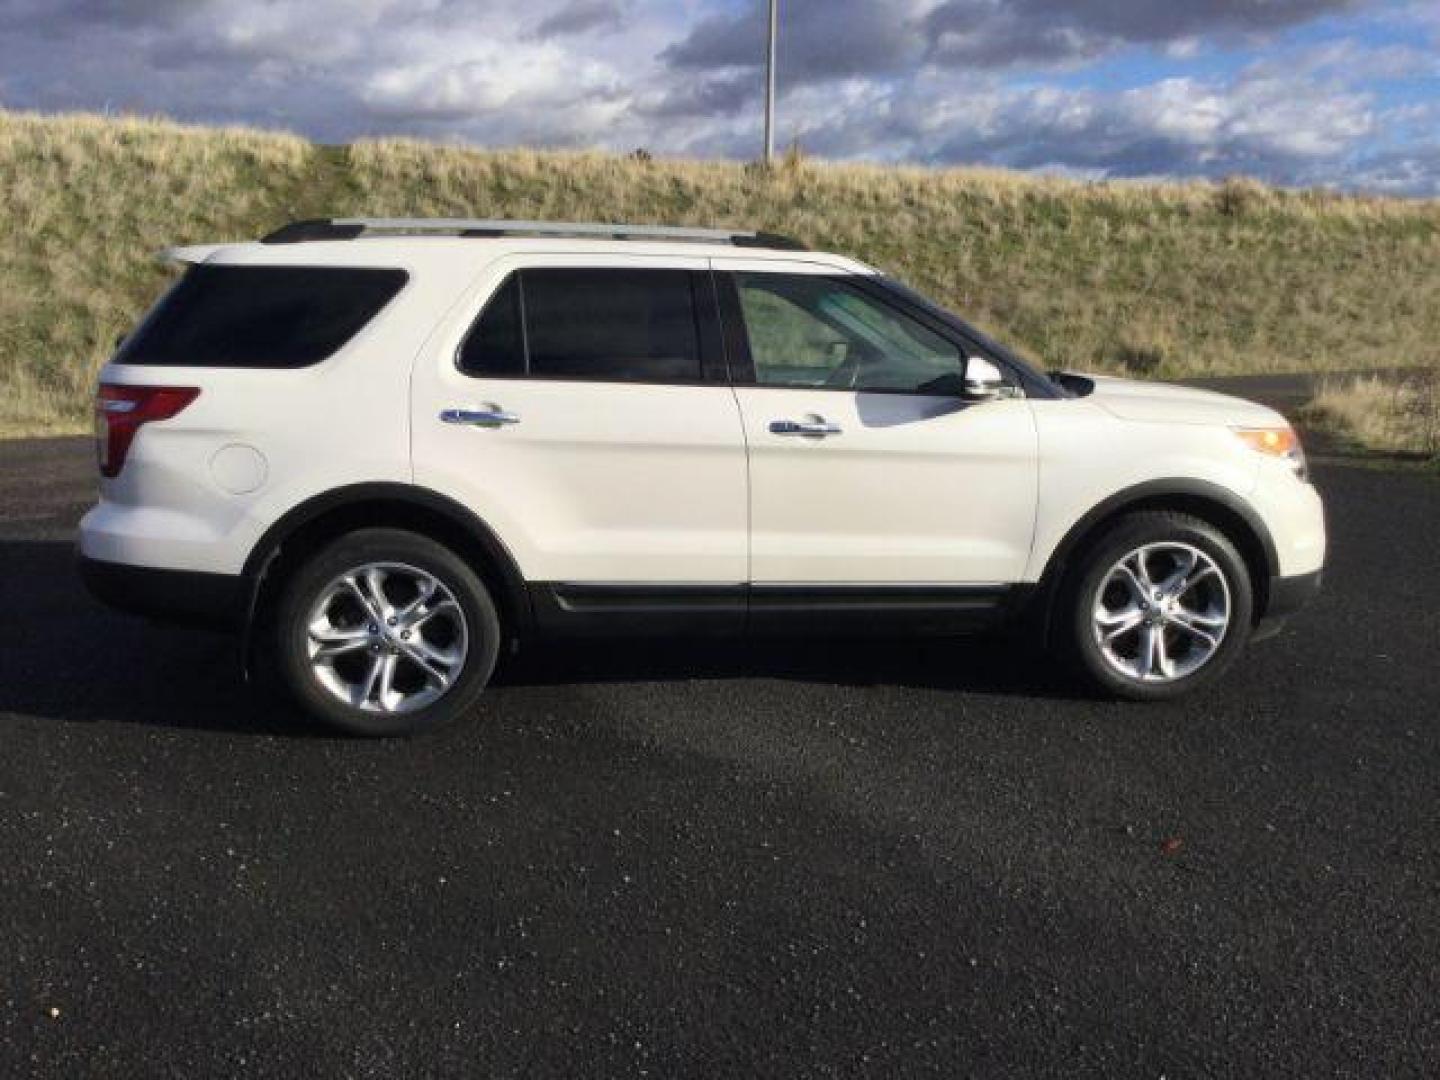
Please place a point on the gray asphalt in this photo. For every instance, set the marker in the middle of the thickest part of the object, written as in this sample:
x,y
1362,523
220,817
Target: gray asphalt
x,y
789,859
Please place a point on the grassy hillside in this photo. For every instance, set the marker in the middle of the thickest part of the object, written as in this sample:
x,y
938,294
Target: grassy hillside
x,y
1165,279
1392,415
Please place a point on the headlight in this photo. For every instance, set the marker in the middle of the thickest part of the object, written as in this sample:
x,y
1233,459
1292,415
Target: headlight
x,y
1278,442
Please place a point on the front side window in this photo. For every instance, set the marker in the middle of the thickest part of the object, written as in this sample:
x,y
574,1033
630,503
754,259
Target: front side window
x,y
590,324
260,316
814,331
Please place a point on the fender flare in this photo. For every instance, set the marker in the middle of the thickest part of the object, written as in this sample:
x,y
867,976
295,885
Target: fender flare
x,y
1151,491
268,548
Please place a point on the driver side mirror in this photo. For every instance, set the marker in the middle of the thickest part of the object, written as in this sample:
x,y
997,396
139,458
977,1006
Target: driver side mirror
x,y
983,380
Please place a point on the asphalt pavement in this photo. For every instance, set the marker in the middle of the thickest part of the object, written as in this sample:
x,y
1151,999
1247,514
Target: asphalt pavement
x,y
779,859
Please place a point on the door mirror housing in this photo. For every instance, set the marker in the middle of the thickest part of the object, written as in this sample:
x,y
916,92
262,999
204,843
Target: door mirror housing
x,y
983,380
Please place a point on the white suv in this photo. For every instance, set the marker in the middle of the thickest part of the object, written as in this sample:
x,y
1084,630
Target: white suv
x,y
382,448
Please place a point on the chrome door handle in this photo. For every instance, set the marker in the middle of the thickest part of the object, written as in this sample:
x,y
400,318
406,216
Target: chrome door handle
x,y
490,418
803,427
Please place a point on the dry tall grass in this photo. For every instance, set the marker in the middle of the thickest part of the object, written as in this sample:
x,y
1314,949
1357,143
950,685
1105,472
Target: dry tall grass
x,y
1389,414
87,202
1165,279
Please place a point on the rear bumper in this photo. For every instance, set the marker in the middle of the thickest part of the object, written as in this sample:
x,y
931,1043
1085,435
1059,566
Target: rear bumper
x,y
182,596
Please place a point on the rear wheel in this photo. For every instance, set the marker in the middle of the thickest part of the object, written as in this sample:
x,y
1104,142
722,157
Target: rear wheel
x,y
386,632
1160,604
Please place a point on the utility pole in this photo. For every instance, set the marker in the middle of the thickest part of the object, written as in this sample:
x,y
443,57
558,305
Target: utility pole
x,y
770,84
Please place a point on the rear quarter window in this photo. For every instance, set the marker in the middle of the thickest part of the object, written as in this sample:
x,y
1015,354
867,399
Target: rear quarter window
x,y
260,316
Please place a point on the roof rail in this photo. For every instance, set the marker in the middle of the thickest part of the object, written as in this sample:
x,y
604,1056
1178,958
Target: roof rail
x,y
297,232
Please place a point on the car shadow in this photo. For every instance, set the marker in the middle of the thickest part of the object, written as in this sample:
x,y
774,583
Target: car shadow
x,y
990,664
65,656
894,410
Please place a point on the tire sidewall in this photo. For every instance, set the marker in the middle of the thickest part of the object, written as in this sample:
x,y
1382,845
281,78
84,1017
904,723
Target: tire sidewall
x,y
373,546
1094,566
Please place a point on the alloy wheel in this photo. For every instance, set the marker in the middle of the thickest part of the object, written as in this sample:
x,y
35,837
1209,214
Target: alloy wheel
x,y
386,637
1161,612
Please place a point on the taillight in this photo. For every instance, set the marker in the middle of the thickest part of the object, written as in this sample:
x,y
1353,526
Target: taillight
x,y
121,410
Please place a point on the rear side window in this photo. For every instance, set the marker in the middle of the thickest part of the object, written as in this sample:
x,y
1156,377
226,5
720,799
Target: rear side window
x,y
495,346
260,316
590,324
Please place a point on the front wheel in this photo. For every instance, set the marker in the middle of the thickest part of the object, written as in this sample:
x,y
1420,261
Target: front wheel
x,y
386,632
1160,604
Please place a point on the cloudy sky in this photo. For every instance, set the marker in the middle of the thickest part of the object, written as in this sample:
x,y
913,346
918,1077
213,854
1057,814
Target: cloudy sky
x,y
1343,92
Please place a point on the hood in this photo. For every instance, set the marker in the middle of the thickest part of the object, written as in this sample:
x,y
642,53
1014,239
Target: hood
x,y
1166,403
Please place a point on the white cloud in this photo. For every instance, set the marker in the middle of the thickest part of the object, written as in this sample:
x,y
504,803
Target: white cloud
x,y
627,73
493,75
1176,126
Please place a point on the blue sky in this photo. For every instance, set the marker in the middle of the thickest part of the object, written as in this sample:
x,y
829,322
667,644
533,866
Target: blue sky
x,y
1303,92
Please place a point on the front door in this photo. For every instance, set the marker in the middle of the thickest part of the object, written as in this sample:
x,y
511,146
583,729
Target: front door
x,y
868,465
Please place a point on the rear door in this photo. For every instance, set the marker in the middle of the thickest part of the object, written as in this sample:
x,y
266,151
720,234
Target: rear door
x,y
578,405
868,465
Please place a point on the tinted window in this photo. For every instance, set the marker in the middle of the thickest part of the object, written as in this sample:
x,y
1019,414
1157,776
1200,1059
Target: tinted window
x,y
814,331
601,324
260,316
494,345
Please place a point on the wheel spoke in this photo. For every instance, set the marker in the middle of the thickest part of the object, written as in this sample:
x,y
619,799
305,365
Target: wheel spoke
x,y
1115,624
1195,578
449,657
1190,625
1141,572
1179,581
374,579
1140,665
1153,659
366,690
328,631
1214,619
428,586
1135,582
1116,632
420,618
424,657
387,682
1163,666
362,596
332,643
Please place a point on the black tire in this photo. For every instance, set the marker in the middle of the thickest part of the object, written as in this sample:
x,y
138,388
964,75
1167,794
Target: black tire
x,y
1089,573
462,687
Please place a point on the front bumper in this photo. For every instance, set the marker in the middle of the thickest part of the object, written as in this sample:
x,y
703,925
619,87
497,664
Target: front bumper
x,y
1289,594
182,596
1284,597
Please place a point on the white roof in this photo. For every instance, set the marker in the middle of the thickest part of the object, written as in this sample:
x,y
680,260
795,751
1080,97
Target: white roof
x,y
417,242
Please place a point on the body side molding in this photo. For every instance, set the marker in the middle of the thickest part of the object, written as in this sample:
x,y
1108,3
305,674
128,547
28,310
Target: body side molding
x,y
652,608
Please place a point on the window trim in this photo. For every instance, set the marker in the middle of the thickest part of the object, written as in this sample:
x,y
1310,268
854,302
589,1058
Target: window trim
x,y
742,363
714,369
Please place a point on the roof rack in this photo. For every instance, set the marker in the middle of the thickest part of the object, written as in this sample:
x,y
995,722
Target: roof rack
x,y
297,232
